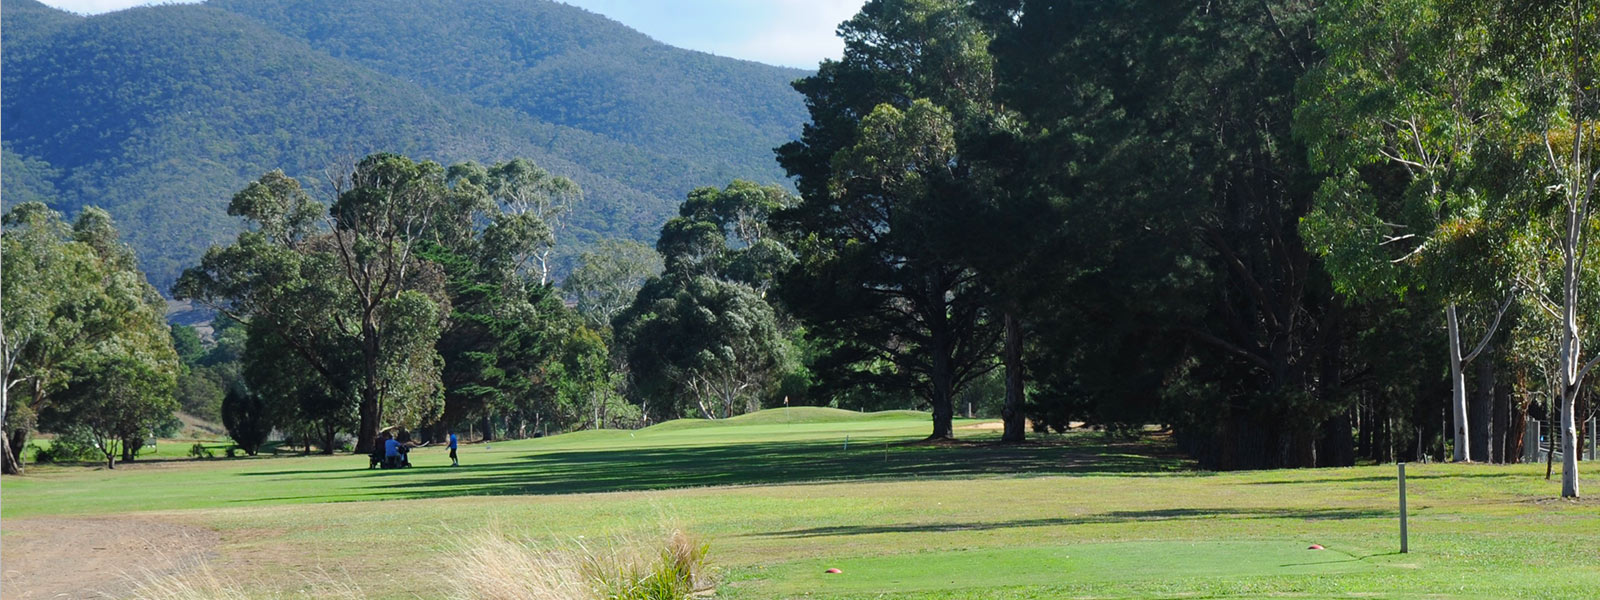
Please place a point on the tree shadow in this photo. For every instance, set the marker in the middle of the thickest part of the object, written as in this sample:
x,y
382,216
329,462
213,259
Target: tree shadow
x,y
1112,517
760,463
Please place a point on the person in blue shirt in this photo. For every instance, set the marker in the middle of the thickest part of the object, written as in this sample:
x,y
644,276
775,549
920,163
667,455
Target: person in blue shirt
x,y
453,461
391,451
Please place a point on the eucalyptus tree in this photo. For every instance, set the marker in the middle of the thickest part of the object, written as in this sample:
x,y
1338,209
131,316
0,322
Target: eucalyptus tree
x,y
703,330
607,278
1549,50
1401,112
704,340
879,232
357,287
70,293
524,190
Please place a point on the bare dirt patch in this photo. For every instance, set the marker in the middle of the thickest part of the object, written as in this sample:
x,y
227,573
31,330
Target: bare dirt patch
x,y
71,558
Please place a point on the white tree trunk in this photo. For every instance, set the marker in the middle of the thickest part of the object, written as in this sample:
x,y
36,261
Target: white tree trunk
x,y
1458,388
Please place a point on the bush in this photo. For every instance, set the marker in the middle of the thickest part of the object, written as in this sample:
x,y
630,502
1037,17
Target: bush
x,y
76,444
245,416
199,450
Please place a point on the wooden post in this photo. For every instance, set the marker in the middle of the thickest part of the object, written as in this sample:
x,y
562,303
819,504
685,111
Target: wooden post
x,y
1403,545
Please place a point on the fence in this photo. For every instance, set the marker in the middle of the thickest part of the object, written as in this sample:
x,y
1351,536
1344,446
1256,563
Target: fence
x,y
1540,437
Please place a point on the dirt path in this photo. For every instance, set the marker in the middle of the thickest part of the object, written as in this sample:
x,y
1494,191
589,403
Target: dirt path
x,y
65,558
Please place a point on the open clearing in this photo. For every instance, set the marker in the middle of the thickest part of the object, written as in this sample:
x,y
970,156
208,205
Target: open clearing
x,y
781,499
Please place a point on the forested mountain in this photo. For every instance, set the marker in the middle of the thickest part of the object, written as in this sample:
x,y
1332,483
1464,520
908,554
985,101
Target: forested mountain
x,y
160,113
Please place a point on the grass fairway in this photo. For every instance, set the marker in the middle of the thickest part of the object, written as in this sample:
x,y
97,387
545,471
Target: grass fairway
x,y
781,499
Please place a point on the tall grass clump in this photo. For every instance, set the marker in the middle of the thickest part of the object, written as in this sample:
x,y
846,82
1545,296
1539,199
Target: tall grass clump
x,y
492,566
199,582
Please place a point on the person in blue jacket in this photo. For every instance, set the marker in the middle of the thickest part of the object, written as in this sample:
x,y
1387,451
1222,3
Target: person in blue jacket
x,y
391,451
453,461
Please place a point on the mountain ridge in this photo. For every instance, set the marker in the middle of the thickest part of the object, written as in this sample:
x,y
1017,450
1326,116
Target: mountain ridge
x,y
159,113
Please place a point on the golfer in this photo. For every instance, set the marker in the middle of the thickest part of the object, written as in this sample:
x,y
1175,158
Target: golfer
x,y
453,461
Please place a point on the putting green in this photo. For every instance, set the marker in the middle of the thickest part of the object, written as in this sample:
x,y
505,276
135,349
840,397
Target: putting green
x,y
1046,565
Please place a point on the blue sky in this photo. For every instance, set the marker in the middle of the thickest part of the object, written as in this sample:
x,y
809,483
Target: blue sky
x,y
797,33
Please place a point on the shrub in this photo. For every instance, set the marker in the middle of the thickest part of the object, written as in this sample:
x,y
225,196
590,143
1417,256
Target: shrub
x,y
199,450
76,444
245,416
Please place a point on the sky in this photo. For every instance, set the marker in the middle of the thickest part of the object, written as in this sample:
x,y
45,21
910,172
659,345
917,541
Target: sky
x,y
795,33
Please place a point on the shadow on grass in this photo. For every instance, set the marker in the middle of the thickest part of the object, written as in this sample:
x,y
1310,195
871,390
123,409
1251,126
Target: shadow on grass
x,y
1382,478
765,463
1119,516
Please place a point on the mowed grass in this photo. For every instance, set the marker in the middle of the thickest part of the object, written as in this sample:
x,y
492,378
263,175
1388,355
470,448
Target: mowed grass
x,y
781,499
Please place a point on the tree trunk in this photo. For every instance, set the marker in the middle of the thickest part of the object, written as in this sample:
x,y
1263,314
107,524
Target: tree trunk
x,y
1458,389
943,377
1481,412
367,435
1500,424
14,444
1012,414
488,427
329,432
9,464
1569,446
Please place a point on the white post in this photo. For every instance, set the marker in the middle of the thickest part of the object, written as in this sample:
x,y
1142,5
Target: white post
x,y
1594,437
1530,441
1403,546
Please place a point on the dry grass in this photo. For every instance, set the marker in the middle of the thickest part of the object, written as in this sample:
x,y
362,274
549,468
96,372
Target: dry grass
x,y
492,566
199,582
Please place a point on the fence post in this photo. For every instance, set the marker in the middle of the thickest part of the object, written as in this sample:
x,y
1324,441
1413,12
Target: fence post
x,y
1530,441
1594,437
1403,545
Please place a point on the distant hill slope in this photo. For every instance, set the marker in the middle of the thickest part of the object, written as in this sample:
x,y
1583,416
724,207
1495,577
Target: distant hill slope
x,y
158,114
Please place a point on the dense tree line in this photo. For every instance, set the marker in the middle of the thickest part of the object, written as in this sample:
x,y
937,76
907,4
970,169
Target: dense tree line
x,y
1260,224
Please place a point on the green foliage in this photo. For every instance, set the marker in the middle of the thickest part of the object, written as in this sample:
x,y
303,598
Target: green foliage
x,y
702,331
84,332
607,278
71,444
248,419
887,197
631,120
186,342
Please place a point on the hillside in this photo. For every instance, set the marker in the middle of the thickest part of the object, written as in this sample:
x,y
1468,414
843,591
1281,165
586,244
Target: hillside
x,y
160,113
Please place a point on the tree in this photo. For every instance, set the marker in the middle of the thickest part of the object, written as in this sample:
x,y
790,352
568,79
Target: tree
x,y
522,189
121,393
703,339
187,343
68,294
1550,48
359,287
587,385
703,330
885,194
248,419
608,277
1400,112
